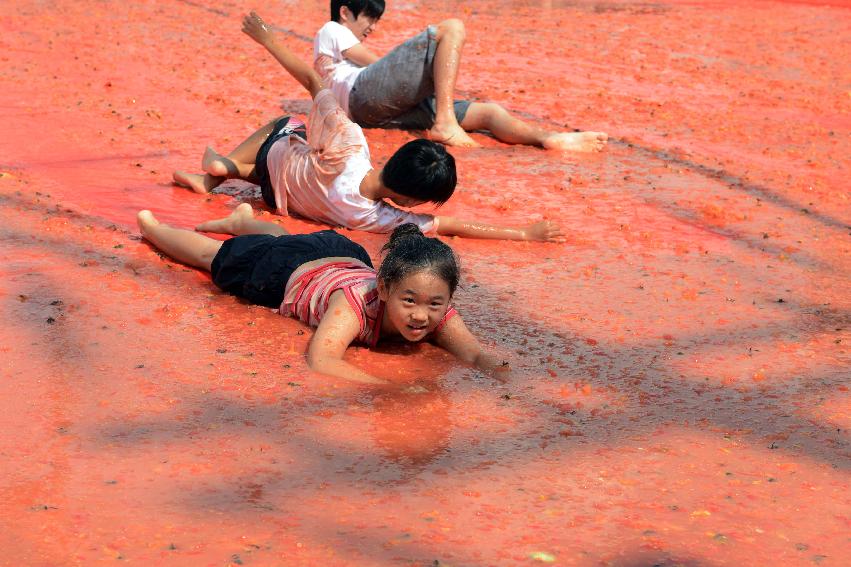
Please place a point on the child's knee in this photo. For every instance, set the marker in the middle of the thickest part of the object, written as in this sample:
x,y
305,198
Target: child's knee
x,y
496,110
492,113
451,27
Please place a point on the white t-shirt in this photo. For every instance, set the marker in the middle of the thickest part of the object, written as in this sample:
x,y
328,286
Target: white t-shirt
x,y
338,72
320,179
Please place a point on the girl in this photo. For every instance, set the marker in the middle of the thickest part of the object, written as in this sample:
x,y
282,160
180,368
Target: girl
x,y
327,281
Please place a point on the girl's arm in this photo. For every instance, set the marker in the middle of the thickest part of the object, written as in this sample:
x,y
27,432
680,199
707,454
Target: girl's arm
x,y
360,55
543,231
335,333
255,28
456,338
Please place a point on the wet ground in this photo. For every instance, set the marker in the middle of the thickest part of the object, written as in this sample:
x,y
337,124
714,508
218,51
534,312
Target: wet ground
x,y
682,361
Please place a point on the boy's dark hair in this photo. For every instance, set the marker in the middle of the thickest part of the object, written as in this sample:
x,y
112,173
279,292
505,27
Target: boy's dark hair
x,y
409,251
422,170
370,8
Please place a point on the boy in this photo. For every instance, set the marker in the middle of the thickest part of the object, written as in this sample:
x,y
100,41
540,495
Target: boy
x,y
325,174
412,87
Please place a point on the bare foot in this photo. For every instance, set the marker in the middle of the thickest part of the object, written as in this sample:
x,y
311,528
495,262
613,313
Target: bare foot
x,y
452,135
217,165
199,183
229,224
146,220
576,141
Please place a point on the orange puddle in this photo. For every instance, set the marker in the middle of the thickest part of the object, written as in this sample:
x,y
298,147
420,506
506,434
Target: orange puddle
x,y
681,394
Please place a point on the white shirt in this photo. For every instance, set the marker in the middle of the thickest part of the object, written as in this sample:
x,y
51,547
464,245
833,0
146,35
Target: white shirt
x,y
339,73
320,179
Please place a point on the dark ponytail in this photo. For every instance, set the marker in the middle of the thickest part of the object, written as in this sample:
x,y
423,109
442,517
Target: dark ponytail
x,y
409,251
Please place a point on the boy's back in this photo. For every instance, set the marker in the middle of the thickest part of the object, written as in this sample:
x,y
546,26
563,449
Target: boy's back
x,y
320,179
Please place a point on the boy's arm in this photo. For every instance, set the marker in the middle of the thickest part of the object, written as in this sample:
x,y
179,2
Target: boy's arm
x,y
335,333
457,339
254,26
360,55
543,231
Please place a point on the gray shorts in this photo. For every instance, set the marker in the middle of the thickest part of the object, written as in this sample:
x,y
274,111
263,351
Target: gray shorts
x,y
397,91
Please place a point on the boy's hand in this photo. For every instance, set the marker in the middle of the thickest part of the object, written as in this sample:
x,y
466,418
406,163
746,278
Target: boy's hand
x,y
544,231
254,27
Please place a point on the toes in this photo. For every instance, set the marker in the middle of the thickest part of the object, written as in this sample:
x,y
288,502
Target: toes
x,y
244,209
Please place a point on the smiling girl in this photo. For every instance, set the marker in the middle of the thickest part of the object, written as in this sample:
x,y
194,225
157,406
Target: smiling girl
x,y
327,281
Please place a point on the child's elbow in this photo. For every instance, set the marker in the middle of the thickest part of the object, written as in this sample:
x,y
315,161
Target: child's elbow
x,y
314,361
319,360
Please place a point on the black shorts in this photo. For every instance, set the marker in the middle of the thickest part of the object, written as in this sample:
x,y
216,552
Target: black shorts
x,y
257,267
261,169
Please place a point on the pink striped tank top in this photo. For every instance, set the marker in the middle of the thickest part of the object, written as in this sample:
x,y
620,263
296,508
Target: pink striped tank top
x,y
308,293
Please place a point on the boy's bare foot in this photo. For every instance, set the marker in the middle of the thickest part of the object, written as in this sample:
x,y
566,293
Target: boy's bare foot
x,y
230,224
199,183
146,220
452,135
218,165
576,141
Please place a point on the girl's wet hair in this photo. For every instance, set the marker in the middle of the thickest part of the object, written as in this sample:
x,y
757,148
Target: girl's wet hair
x,y
410,251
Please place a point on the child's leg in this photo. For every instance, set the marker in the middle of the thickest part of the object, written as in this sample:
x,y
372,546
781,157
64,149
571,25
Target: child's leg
x,y
241,221
199,183
239,164
226,167
447,60
184,246
511,130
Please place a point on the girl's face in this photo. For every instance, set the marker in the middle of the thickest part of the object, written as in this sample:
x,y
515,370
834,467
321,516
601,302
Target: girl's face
x,y
415,305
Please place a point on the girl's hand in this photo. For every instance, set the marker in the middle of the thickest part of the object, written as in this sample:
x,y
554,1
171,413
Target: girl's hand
x,y
364,378
502,372
544,231
498,368
254,27
456,338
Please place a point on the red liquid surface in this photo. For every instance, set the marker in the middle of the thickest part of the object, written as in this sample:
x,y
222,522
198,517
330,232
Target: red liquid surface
x,y
680,392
